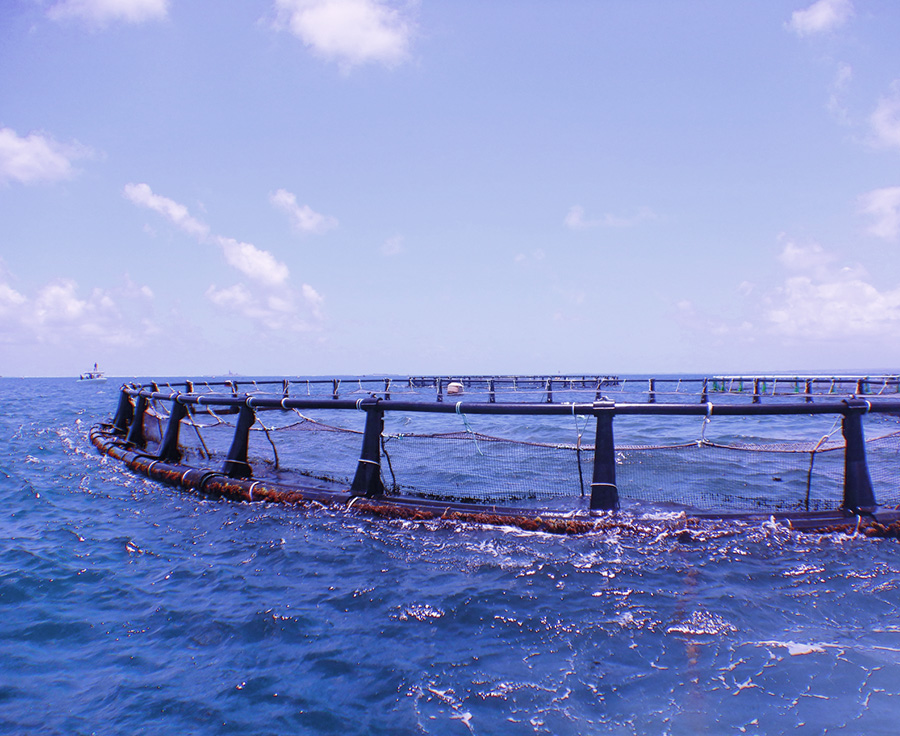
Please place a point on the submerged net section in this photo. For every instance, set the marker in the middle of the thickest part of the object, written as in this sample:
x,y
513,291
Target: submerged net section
x,y
523,459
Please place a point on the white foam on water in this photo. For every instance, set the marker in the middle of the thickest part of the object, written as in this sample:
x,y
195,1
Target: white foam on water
x,y
794,648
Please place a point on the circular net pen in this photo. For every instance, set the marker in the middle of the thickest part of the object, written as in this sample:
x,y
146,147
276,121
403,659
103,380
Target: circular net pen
x,y
402,444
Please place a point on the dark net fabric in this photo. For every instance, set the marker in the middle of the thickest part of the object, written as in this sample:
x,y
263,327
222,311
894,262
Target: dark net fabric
x,y
473,466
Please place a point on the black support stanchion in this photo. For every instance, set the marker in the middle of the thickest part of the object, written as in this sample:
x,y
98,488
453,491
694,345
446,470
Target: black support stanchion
x,y
136,431
124,413
236,465
367,481
858,493
168,450
604,493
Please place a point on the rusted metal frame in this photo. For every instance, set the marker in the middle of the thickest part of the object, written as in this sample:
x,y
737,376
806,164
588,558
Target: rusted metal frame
x,y
858,491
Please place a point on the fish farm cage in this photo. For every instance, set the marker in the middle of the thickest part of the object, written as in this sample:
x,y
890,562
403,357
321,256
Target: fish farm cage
x,y
567,454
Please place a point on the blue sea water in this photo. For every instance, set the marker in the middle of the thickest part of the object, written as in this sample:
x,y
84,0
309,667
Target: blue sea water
x,y
131,607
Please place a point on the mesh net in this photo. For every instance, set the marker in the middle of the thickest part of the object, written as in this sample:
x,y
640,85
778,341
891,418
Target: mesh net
x,y
509,459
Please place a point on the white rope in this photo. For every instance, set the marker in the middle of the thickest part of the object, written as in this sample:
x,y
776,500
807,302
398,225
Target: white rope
x,y
706,421
468,427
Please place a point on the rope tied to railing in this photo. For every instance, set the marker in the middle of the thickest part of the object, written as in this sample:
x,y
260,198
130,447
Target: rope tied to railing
x,y
468,427
578,435
706,420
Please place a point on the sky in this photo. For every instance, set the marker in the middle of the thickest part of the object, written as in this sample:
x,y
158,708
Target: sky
x,y
313,187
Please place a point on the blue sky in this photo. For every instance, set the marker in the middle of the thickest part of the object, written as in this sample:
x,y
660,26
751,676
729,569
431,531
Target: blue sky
x,y
360,186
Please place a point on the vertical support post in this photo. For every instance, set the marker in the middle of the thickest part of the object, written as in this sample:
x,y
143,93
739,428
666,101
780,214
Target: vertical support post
x,y
334,388
285,388
755,390
236,465
704,393
549,390
440,389
651,396
387,389
136,431
189,386
858,493
604,493
809,390
168,450
367,481
124,413
492,396
860,389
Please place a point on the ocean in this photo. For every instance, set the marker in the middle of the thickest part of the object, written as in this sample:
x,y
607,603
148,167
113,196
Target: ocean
x,y
130,607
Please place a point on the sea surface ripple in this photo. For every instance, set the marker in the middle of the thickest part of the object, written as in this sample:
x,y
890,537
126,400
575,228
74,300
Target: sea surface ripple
x,y
130,607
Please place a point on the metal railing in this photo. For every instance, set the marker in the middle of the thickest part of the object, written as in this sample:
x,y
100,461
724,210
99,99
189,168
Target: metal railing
x,y
858,492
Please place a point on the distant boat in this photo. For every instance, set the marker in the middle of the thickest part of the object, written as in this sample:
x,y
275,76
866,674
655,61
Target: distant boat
x,y
94,375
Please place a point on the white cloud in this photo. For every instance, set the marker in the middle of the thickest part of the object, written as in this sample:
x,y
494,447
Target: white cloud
x,y
235,297
840,307
886,118
36,158
268,311
100,13
842,79
820,17
884,206
808,257
575,219
829,302
314,300
57,312
10,299
259,265
177,214
818,300
270,303
303,218
350,32
392,246
58,302
527,258
254,262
